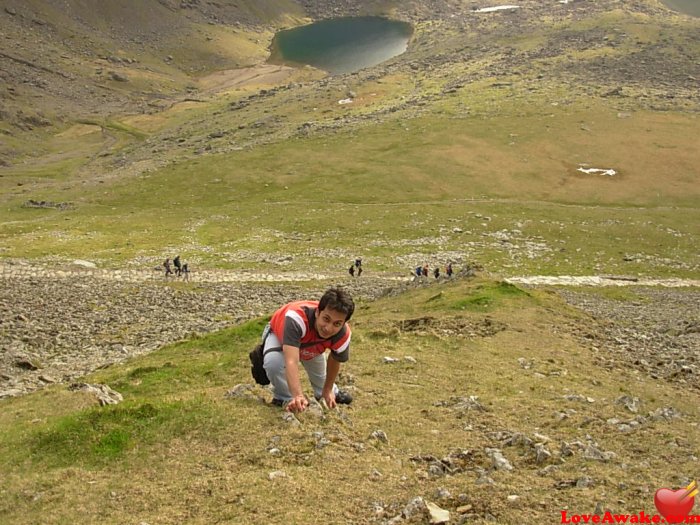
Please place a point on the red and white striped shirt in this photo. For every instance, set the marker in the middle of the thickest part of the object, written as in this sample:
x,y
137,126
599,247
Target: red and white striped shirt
x,y
294,325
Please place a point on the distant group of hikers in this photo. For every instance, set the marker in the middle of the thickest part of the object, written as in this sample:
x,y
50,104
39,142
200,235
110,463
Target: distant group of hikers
x,y
420,273
181,270
423,272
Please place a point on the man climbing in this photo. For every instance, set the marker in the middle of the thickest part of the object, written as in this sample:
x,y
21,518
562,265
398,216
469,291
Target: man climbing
x,y
301,332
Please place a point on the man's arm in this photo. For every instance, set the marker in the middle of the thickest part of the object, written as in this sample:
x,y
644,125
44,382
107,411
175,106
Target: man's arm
x,y
332,369
291,362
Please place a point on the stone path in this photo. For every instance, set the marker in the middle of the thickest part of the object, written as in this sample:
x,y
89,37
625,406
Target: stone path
x,y
58,323
598,280
22,270
28,271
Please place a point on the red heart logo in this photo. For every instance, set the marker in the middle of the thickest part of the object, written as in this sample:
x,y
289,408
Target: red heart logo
x,y
674,505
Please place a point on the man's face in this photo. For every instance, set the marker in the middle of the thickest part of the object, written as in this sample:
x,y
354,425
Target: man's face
x,y
329,322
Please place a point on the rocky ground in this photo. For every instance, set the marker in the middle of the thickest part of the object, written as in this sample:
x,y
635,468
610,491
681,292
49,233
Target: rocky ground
x,y
46,90
58,329
658,333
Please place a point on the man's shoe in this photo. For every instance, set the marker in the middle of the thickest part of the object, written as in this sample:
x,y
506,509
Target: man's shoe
x,y
277,402
343,398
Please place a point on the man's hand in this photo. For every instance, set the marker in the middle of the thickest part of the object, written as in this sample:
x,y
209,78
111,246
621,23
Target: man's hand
x,y
297,404
291,363
329,398
328,392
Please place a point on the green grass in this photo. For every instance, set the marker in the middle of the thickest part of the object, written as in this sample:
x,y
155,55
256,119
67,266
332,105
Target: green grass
x,y
394,190
176,443
485,174
373,203
166,397
102,435
488,297
115,126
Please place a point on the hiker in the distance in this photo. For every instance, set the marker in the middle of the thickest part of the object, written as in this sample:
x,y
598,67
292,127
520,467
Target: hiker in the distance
x,y
178,266
301,332
166,265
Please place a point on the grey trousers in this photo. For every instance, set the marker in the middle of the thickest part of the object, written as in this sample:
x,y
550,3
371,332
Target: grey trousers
x,y
273,362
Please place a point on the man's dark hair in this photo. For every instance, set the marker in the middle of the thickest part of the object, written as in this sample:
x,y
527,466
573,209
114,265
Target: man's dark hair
x,y
339,300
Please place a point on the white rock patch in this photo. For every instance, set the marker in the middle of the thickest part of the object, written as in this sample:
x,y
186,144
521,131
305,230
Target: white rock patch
x,y
590,171
496,8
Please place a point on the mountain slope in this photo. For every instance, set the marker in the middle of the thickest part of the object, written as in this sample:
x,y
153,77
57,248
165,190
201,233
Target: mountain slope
x,y
497,404
487,115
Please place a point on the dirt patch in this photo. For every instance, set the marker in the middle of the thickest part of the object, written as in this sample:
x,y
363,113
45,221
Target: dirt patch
x,y
260,75
451,326
79,130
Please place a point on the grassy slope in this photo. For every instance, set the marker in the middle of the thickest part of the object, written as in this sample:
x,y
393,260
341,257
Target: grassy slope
x,y
484,160
396,181
177,451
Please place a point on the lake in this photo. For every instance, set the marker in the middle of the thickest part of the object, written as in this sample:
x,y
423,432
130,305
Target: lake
x,y
342,45
689,7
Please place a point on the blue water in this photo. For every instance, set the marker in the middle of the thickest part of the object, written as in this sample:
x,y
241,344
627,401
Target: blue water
x,y
342,45
689,7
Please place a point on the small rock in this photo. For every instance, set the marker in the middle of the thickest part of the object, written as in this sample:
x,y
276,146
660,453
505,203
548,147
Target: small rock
x,y
84,264
442,493
524,363
630,403
240,390
315,409
27,364
105,395
584,482
290,418
665,414
118,77
415,506
541,454
498,461
13,392
594,453
483,479
437,515
379,435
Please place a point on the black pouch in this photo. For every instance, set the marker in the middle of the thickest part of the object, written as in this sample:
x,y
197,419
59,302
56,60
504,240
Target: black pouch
x,y
257,370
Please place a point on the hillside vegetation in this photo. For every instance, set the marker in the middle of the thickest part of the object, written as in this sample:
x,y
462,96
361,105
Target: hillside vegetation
x,y
135,131
466,147
492,408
